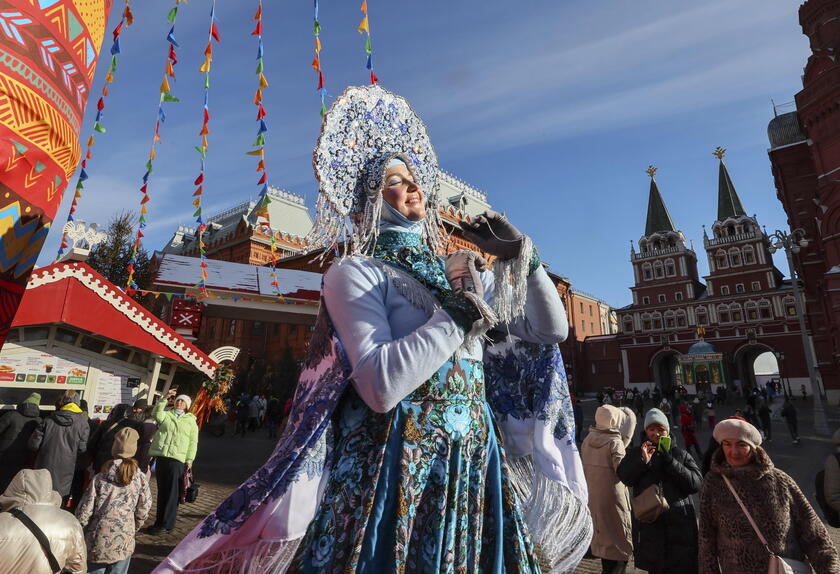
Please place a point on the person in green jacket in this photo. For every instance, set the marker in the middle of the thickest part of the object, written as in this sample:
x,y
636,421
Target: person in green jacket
x,y
174,448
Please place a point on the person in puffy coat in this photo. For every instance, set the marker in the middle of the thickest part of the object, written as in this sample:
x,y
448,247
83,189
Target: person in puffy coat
x,y
20,552
667,545
58,440
15,429
609,501
728,542
174,448
102,438
114,507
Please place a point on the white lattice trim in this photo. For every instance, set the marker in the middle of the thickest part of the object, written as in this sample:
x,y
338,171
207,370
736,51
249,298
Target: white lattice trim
x,y
118,300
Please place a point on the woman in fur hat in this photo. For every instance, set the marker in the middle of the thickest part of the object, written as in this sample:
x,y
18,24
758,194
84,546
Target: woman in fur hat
x,y
782,514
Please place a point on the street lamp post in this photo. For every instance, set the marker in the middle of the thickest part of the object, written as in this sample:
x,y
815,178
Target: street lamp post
x,y
792,243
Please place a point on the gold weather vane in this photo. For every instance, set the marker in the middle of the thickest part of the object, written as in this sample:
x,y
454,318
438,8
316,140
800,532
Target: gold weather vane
x,y
651,171
719,152
701,332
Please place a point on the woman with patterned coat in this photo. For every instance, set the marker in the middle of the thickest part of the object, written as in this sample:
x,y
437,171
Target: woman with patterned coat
x,y
114,507
418,480
728,543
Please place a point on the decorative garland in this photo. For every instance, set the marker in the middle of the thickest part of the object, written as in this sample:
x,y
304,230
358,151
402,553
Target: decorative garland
x,y
212,34
364,28
165,96
261,211
126,20
316,63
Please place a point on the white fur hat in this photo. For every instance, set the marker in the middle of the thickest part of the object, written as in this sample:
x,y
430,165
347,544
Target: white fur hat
x,y
184,398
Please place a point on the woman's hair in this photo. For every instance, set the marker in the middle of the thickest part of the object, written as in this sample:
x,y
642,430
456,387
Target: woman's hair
x,y
125,473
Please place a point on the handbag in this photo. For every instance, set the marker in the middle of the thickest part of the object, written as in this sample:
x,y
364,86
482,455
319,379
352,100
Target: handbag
x,y
42,540
189,488
778,564
650,504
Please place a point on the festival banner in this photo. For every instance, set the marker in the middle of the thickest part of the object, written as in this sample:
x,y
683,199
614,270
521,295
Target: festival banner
x,y
48,55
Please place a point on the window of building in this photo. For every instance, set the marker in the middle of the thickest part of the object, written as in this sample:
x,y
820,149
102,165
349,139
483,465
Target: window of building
x,y
765,310
751,309
736,313
581,307
681,319
658,270
723,313
628,324
724,289
678,296
721,260
647,271
670,320
735,257
748,254
739,288
660,298
646,322
590,310
657,321
591,327
790,306
645,300
756,285
670,268
702,316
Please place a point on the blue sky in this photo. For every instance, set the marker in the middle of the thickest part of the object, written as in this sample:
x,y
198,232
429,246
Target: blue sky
x,y
553,108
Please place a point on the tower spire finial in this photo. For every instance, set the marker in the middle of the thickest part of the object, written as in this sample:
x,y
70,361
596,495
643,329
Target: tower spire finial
x,y
719,152
651,171
729,204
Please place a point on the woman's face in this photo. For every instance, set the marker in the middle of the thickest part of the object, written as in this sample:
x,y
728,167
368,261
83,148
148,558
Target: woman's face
x,y
737,452
181,405
654,432
403,193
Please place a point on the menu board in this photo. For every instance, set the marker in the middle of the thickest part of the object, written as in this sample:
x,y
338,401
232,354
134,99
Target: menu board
x,y
42,367
111,390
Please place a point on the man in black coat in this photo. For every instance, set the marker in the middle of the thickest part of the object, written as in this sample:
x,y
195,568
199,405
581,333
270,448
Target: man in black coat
x,y
669,544
58,440
15,430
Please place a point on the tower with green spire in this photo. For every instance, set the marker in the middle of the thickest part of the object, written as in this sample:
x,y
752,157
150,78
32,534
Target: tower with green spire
x,y
739,259
664,268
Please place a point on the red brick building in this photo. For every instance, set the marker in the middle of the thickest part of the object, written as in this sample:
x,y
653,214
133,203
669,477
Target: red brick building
x,y
805,157
744,306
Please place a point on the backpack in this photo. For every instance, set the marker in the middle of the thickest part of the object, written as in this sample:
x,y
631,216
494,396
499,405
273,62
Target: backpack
x,y
832,517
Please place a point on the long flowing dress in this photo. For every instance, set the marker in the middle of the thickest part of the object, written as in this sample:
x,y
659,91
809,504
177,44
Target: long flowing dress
x,y
410,475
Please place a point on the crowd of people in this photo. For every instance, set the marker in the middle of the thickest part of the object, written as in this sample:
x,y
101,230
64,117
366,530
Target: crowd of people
x,y
641,499
76,491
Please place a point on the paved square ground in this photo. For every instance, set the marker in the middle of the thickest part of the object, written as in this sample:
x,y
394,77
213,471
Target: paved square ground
x,y
224,462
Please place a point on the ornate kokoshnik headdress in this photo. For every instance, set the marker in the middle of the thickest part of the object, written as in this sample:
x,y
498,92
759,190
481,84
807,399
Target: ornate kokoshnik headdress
x,y
364,129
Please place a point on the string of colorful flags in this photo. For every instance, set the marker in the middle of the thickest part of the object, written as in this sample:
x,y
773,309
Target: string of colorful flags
x,y
364,28
212,34
264,199
316,63
169,295
166,96
126,20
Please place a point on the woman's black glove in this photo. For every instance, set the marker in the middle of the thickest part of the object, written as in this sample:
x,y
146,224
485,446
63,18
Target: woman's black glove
x,y
494,234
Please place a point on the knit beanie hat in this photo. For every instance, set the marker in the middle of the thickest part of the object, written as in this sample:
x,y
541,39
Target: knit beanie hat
x,y
184,398
125,443
737,429
657,417
34,398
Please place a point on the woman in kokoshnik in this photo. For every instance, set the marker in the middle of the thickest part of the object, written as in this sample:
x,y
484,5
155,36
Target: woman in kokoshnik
x,y
402,470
